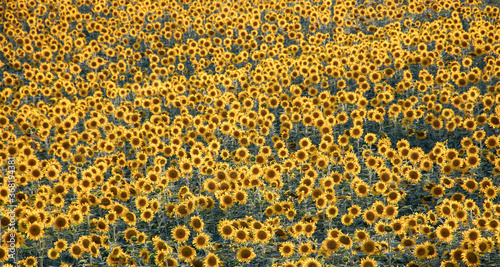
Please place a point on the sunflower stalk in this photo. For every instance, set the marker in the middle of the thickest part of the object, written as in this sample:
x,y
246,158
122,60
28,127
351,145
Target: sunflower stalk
x,y
42,249
389,239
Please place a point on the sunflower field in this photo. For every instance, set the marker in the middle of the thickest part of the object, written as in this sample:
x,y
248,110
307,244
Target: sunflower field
x,y
282,133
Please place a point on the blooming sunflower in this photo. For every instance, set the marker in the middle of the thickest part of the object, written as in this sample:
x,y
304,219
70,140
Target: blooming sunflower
x,y
76,250
211,260
35,231
61,245
370,216
310,262
471,258
186,253
287,249
196,223
53,253
472,235
347,219
305,249
245,254
31,261
180,234
201,241
444,233
420,251
147,215
369,247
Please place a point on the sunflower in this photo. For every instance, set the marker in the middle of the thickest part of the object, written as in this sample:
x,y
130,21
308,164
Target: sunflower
x,y
173,174
370,216
471,258
130,233
111,217
211,260
310,262
393,196
369,247
245,254
226,230
161,257
372,162
330,244
147,215
354,211
448,264
413,175
483,245
61,222
469,124
437,124
31,261
478,135
421,135
241,196
444,233
456,254
420,251
437,191
390,211
447,182
289,263
210,185
494,121
490,192
61,245
352,167
242,153
470,204
305,143
460,214
470,185
35,231
262,236
407,242
361,234
345,241
491,142
287,249
196,223
241,235
53,253
367,262
201,240
186,253
431,250
102,225
129,218
356,132
141,238
141,202
361,189
94,250
160,245
180,234
76,250
471,235
305,249
301,155
381,228
321,202
452,223
347,219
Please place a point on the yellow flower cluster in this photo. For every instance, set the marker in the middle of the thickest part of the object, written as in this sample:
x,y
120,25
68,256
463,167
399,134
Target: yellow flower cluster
x,y
273,133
